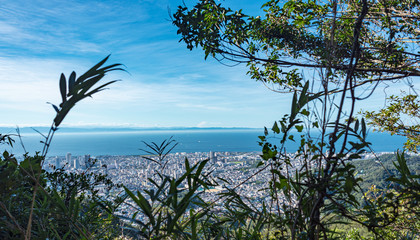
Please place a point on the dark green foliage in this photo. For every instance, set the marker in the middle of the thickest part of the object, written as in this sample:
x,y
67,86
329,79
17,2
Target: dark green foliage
x,y
85,182
377,171
6,139
173,208
170,210
314,187
396,206
77,195
159,151
79,89
400,116
17,185
306,34
69,207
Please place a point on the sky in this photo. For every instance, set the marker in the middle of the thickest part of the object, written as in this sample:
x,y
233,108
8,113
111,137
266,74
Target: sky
x,y
165,85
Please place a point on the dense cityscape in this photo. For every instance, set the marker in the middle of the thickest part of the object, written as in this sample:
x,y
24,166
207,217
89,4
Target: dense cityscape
x,y
237,169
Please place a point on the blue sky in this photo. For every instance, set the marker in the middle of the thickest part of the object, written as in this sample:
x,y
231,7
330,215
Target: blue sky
x,y
167,85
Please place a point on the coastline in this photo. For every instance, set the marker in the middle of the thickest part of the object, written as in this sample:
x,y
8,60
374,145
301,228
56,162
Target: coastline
x,y
189,141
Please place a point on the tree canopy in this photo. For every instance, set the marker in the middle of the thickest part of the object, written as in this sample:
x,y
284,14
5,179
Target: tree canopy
x,y
368,41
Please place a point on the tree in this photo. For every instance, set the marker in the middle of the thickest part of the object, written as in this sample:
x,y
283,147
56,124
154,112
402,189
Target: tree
x,y
348,48
368,42
401,116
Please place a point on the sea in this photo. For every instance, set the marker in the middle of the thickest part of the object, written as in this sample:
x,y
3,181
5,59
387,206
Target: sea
x,y
99,142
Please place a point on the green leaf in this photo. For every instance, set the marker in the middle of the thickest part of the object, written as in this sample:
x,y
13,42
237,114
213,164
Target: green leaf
x,y
63,88
356,125
291,137
141,202
92,70
55,107
100,88
72,80
294,108
363,128
275,128
304,112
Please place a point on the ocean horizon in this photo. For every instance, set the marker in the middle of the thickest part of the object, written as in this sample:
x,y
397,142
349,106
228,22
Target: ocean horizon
x,y
129,142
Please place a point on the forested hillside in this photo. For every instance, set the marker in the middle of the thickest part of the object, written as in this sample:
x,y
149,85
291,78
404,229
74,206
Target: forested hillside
x,y
376,171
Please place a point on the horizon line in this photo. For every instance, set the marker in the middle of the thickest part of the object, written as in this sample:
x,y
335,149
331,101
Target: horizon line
x,y
25,126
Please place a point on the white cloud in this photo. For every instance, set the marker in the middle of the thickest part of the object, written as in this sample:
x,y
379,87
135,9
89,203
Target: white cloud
x,y
168,85
202,107
202,124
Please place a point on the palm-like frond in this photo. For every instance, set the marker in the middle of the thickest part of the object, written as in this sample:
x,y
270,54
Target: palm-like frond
x,y
76,90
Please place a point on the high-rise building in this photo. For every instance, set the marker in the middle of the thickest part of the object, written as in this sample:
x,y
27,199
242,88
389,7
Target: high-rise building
x,y
57,163
212,157
76,163
87,161
68,158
